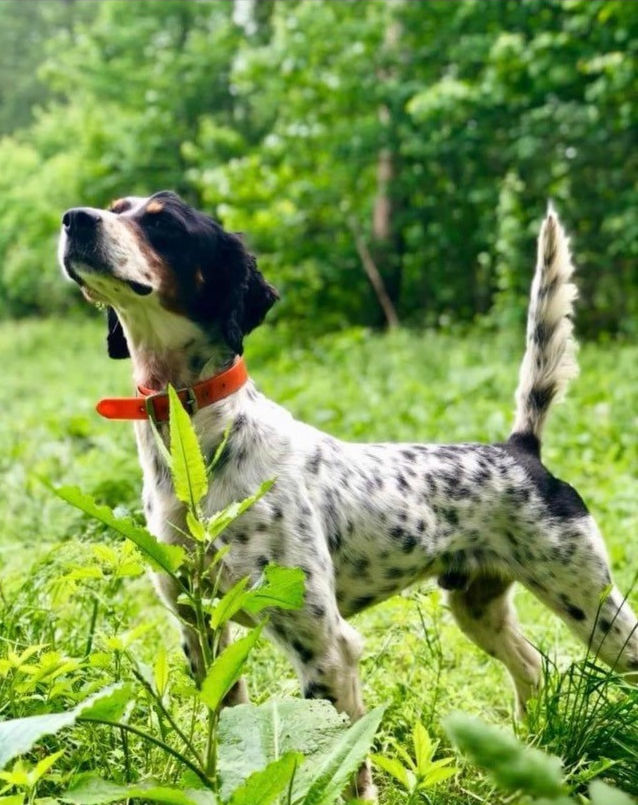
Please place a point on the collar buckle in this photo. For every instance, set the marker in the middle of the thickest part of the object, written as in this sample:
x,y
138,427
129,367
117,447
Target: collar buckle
x,y
149,406
190,403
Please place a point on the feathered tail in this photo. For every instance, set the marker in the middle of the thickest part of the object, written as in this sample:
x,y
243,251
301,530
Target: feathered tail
x,y
550,355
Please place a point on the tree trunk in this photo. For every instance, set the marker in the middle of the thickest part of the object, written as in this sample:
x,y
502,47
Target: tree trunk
x,y
386,245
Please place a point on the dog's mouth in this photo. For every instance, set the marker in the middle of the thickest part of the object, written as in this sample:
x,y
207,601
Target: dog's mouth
x,y
139,288
92,273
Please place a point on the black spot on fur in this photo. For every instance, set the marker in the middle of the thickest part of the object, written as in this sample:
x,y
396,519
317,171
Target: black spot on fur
x,y
262,561
576,613
396,532
305,653
562,500
604,625
317,610
408,543
362,602
453,580
573,611
361,564
316,690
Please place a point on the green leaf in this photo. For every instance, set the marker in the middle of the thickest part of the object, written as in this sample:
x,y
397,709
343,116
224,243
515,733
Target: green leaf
x,y
160,555
43,766
252,736
226,669
345,757
263,787
512,765
19,735
89,789
396,769
278,586
423,747
223,518
195,527
437,774
160,673
281,587
187,464
231,603
602,794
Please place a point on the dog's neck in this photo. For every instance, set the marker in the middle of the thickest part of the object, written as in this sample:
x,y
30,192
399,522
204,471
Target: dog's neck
x,y
166,347
155,368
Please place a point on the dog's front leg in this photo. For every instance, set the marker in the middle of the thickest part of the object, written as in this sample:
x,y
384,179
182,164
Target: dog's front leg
x,y
325,649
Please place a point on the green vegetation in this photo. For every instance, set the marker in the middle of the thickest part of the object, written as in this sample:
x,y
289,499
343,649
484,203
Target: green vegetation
x,y
78,613
428,135
387,161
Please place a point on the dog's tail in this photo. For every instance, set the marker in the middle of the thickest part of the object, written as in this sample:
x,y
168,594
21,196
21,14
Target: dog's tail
x,y
550,354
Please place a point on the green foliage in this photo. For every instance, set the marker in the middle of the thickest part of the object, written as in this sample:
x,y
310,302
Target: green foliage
x,y
265,786
187,463
76,615
519,768
279,587
585,715
479,111
422,772
160,555
18,735
513,765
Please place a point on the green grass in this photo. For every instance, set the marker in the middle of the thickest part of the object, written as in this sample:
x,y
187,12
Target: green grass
x,y
359,386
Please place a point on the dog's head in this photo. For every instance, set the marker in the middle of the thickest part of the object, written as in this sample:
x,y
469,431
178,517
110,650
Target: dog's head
x,y
163,267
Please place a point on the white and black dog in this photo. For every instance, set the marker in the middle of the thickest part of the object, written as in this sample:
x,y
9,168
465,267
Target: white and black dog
x,y
362,520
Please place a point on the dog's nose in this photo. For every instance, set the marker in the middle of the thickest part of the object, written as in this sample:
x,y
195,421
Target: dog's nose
x,y
80,219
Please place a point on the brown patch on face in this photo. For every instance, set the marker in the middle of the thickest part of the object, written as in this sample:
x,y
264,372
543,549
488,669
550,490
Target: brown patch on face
x,y
119,205
154,206
158,269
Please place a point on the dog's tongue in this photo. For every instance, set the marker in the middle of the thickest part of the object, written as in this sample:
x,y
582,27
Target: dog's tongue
x,y
139,288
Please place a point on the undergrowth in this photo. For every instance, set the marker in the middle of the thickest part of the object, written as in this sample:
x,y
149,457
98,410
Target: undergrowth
x,y
78,613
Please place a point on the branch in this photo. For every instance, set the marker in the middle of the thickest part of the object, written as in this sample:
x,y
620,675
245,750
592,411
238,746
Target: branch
x,y
374,275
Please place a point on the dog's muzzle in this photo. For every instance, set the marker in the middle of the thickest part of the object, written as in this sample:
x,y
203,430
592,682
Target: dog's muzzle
x,y
80,241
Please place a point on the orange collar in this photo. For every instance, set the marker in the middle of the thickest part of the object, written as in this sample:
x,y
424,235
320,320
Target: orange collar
x,y
153,405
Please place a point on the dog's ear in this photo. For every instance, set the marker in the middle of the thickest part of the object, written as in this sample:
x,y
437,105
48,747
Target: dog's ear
x,y
115,338
246,297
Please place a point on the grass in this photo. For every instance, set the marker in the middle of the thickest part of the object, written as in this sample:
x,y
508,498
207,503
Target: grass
x,y
406,386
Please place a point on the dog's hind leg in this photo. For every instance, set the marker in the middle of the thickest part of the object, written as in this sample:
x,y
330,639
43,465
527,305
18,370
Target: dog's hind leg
x,y
572,576
485,612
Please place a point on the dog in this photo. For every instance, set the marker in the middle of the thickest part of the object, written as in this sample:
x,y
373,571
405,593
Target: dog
x,y
362,520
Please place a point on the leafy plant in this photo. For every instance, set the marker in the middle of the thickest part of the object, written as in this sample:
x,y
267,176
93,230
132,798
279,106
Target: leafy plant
x,y
536,775
217,772
589,715
422,773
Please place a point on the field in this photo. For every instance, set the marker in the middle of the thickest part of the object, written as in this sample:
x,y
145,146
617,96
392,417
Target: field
x,y
356,385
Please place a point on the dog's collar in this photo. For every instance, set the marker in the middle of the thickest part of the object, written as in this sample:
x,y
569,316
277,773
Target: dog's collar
x,y
149,404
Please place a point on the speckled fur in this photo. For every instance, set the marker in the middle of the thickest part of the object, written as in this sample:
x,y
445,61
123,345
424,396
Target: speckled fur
x,y
366,520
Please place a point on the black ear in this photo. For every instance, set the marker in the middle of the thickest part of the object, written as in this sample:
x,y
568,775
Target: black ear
x,y
115,339
248,297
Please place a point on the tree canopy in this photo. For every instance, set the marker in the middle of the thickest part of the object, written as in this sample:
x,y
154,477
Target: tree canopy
x,y
418,139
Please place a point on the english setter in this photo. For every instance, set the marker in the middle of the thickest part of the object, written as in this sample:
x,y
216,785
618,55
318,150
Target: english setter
x,y
362,520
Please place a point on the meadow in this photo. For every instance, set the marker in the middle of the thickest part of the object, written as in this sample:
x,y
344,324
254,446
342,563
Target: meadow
x,y
60,594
